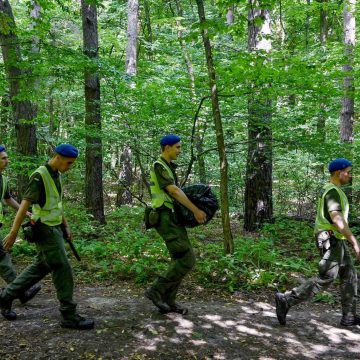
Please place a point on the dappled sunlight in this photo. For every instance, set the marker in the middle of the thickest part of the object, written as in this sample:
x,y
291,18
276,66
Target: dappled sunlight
x,y
336,334
249,328
248,310
184,327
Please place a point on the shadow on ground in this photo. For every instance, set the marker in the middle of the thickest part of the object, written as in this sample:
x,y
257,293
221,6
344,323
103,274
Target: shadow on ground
x,y
128,327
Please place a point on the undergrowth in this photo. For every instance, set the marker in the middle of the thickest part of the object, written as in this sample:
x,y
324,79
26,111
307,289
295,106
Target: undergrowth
x,y
121,249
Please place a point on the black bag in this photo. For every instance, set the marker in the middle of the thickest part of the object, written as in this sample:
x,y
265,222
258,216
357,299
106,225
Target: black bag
x,y
29,231
151,217
202,196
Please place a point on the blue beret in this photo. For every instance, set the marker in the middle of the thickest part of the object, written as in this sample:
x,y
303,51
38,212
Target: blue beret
x,y
2,148
339,164
170,139
67,150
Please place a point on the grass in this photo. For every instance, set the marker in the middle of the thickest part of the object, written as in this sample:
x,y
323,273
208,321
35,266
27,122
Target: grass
x,y
121,249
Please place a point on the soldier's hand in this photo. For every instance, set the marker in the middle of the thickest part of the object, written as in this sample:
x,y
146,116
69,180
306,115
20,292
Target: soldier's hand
x,y
8,241
28,214
357,251
200,216
67,233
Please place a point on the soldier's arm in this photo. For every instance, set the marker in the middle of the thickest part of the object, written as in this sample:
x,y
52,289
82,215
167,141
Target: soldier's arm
x,y
179,195
12,203
20,216
342,226
66,228
15,205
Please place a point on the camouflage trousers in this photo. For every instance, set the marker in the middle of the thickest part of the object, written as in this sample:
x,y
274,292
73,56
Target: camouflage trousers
x,y
51,258
336,262
7,270
182,256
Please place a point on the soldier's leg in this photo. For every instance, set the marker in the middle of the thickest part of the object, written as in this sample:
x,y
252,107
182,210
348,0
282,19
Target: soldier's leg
x,y
181,252
7,270
328,271
348,287
54,254
30,276
182,266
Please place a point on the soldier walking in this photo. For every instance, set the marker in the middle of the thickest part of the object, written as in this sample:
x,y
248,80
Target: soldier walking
x,y
333,233
45,193
164,188
7,270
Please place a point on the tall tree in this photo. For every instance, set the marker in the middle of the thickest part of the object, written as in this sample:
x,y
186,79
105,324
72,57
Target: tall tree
x,y
132,37
347,113
126,176
200,125
258,182
224,201
24,111
93,178
321,121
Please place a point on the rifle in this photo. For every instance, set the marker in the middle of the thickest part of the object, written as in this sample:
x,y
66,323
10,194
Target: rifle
x,y
71,245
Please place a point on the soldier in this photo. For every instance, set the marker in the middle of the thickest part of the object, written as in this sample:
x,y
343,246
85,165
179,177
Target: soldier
x,y
164,188
332,233
7,270
45,193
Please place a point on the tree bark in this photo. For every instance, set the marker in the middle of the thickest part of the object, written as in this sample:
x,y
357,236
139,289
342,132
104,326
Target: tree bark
x,y
321,122
258,183
347,113
93,178
24,111
224,201
126,174
200,131
132,36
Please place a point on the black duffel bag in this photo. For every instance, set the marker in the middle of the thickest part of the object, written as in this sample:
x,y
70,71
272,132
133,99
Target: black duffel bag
x,y
203,197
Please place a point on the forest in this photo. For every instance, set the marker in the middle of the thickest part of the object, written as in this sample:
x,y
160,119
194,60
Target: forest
x,y
262,92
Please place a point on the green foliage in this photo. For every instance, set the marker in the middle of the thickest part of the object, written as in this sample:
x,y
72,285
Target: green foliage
x,y
122,250
326,298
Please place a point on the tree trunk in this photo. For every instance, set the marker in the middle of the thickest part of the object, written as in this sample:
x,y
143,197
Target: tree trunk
x,y
132,36
321,122
24,111
258,183
149,34
93,178
126,174
230,16
347,113
224,201
199,133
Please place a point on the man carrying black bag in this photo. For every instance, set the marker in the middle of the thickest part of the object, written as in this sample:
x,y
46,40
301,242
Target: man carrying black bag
x,y
164,189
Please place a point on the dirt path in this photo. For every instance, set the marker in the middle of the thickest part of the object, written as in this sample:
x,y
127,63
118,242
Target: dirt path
x,y
128,327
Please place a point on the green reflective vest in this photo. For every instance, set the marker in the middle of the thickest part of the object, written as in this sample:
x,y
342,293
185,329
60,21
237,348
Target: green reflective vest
x,y
321,223
52,212
159,196
4,186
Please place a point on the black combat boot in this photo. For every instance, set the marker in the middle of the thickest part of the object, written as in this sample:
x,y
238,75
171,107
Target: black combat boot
x,y
77,322
29,293
176,308
282,308
350,320
155,297
6,311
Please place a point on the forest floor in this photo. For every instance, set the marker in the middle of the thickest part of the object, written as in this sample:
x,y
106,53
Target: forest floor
x,y
241,326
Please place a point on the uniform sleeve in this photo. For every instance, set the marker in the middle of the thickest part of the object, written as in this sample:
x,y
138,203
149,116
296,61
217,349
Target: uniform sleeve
x,y
163,177
7,191
32,192
332,201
